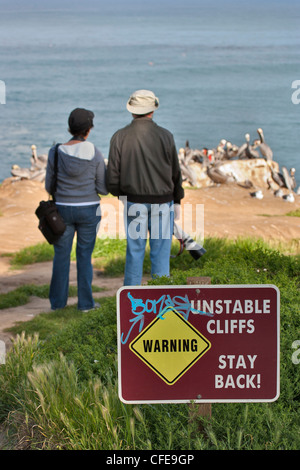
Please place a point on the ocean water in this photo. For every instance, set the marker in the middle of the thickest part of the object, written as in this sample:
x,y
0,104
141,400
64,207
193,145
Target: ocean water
x,y
220,68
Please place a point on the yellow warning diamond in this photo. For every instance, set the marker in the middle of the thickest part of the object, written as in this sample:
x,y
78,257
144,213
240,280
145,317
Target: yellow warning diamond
x,y
170,345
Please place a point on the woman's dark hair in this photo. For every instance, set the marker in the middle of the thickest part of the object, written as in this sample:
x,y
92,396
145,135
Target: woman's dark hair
x,y
80,132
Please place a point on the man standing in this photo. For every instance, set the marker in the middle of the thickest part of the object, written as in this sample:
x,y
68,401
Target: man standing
x,y
143,169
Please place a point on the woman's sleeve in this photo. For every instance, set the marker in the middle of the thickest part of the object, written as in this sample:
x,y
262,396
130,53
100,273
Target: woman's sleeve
x,y
49,171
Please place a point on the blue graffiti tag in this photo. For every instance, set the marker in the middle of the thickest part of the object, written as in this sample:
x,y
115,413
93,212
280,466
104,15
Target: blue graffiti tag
x,y
157,307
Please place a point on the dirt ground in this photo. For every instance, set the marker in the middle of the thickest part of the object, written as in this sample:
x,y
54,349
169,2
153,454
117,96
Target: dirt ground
x,y
229,211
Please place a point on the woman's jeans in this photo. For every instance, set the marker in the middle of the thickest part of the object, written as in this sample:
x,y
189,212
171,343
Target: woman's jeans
x,y
84,220
158,221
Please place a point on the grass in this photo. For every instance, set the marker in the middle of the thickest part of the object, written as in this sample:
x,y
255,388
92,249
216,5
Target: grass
x,y
21,295
295,213
109,254
59,384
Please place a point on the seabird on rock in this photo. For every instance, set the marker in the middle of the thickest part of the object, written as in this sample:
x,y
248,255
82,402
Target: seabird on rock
x,y
276,176
289,182
20,172
188,174
257,194
246,184
217,176
37,171
230,150
38,161
241,150
278,193
250,149
264,148
247,150
284,179
293,179
288,197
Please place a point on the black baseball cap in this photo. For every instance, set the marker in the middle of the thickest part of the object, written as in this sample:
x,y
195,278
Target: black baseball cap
x,y
80,119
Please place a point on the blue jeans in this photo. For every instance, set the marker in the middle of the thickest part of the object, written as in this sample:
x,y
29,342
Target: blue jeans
x,y
84,220
158,221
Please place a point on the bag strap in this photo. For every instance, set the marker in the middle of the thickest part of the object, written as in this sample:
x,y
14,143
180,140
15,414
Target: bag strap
x,y
54,182
181,248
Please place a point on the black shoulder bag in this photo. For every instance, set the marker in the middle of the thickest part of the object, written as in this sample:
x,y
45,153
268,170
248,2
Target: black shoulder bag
x,y
51,223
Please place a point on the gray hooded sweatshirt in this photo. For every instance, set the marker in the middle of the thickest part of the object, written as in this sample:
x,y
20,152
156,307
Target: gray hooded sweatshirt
x,y
80,176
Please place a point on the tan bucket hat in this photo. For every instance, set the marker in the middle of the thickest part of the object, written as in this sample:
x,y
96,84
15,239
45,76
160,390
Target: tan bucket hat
x,y
142,102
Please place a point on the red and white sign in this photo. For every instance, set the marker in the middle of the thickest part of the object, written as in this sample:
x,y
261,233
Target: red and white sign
x,y
205,343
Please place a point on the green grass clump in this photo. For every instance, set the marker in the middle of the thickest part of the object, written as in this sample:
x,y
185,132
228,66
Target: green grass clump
x,y
33,254
21,295
295,213
60,388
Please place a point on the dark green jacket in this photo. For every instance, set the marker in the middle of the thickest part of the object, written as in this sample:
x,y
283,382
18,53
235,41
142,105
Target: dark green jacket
x,y
143,164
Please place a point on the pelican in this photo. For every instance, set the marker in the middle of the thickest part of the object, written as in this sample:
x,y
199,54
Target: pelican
x,y
39,161
197,156
264,148
241,153
188,173
293,179
20,172
181,155
277,177
219,153
231,150
250,149
34,154
217,176
289,182
246,184
284,179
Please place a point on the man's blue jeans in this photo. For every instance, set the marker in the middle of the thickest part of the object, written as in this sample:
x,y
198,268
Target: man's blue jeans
x,y
158,221
84,220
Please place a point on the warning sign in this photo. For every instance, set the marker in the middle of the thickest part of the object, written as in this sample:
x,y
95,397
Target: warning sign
x,y
202,343
170,345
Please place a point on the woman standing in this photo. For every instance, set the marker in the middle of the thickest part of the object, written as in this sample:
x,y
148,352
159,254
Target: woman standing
x,y
80,180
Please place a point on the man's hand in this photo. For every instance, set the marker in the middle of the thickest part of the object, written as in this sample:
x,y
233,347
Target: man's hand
x,y
177,211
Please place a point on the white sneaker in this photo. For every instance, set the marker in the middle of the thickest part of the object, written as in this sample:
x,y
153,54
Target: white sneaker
x,y
97,305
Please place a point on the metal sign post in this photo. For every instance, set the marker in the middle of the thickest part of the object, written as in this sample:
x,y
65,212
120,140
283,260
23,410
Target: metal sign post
x,y
202,409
